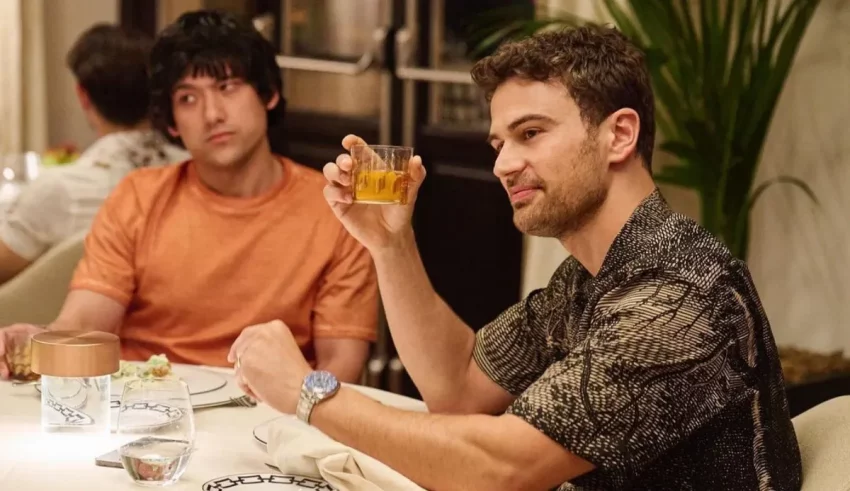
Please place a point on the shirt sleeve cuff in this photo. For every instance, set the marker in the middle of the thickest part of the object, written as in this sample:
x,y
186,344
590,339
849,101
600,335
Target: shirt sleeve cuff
x,y
345,332
487,355
102,288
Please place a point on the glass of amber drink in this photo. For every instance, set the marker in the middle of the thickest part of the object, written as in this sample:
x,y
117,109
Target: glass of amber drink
x,y
380,174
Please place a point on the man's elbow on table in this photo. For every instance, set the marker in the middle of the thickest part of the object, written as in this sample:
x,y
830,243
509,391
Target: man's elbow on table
x,y
504,477
523,458
519,475
487,453
473,393
501,477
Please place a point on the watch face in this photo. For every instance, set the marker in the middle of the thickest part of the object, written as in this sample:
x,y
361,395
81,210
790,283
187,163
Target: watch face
x,y
321,381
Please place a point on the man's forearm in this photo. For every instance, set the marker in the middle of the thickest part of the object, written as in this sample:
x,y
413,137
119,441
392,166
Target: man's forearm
x,y
434,344
66,324
89,311
438,452
344,358
345,369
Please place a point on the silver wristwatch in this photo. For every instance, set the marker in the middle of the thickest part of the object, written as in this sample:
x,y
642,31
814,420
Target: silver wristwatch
x,y
318,386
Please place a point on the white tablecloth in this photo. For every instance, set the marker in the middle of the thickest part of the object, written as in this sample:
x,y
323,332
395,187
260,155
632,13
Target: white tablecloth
x,y
32,460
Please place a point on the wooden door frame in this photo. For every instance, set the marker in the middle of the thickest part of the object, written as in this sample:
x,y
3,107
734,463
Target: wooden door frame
x,y
139,14
143,15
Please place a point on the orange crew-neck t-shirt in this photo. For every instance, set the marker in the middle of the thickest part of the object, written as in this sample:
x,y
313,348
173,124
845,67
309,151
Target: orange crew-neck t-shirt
x,y
194,268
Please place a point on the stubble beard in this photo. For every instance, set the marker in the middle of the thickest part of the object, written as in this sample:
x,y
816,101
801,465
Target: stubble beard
x,y
564,207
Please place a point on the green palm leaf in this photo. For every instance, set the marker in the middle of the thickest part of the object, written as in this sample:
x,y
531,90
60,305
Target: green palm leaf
x,y
744,216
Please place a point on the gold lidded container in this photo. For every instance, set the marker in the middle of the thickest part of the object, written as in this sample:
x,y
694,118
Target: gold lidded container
x,y
76,371
75,353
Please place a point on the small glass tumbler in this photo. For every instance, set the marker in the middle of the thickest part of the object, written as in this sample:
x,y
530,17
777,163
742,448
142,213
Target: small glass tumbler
x,y
380,174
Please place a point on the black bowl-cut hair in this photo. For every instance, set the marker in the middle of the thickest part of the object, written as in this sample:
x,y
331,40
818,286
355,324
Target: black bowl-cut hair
x,y
215,44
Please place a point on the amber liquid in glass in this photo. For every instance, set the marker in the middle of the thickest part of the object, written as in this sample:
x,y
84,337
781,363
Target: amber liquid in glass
x,y
381,186
19,361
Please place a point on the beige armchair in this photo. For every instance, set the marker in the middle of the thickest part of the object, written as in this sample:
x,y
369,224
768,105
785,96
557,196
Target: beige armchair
x,y
823,433
37,293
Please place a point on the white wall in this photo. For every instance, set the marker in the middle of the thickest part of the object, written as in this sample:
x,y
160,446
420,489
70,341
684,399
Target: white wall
x,y
64,21
800,253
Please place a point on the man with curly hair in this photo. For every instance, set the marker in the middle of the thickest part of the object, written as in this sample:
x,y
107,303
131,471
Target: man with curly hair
x,y
646,363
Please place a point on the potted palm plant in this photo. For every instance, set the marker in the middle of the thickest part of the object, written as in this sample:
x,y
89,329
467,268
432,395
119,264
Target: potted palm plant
x,y
718,68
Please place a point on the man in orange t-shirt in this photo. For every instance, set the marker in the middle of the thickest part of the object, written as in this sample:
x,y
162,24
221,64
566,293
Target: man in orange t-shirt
x,y
180,259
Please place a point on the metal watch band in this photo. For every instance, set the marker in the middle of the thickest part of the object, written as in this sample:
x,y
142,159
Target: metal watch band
x,y
306,402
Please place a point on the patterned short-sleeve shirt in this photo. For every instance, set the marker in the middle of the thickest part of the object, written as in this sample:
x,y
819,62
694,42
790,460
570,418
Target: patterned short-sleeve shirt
x,y
661,370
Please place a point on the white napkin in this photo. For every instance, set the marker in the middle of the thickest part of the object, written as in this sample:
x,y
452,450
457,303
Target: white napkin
x,y
296,448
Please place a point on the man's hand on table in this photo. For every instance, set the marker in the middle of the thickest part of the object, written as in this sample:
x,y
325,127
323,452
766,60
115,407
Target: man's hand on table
x,y
269,365
12,338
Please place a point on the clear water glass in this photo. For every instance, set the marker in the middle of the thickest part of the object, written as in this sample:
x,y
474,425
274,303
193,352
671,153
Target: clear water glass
x,y
157,427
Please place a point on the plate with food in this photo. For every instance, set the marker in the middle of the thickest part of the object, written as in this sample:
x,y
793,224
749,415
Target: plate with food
x,y
199,380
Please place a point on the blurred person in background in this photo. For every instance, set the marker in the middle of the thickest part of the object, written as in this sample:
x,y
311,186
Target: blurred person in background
x,y
181,258
110,66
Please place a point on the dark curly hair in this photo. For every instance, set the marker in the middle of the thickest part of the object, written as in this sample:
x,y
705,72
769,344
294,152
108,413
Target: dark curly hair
x,y
215,44
111,64
602,70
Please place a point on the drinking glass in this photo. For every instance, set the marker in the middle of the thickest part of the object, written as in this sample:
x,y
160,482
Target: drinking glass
x,y
380,173
156,422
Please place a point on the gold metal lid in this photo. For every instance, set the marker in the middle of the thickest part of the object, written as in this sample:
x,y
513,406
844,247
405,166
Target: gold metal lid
x,y
75,353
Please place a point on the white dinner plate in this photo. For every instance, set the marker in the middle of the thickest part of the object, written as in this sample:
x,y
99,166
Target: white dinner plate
x,y
261,431
147,415
199,380
270,482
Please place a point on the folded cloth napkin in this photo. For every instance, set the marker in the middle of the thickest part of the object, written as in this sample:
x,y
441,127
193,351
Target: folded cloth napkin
x,y
296,448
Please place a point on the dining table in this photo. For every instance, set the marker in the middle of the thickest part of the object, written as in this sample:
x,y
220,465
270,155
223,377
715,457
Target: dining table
x,y
225,443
